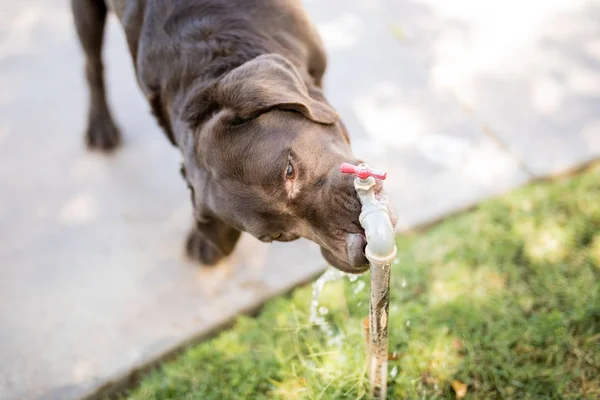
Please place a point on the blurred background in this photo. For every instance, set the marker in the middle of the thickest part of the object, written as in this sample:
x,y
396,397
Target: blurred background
x,y
459,101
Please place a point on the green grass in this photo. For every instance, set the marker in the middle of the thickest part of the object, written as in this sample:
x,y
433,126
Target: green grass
x,y
505,298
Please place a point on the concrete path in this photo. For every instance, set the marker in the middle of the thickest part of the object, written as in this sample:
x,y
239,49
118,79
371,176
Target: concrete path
x,y
459,100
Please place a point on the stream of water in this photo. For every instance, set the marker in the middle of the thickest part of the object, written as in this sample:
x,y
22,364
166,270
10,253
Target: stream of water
x,y
317,313
331,274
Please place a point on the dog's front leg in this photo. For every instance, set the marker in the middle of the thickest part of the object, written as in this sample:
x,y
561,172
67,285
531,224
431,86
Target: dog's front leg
x,y
210,241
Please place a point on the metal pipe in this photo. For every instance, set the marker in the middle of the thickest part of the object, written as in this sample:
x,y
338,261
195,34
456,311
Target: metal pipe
x,y
378,330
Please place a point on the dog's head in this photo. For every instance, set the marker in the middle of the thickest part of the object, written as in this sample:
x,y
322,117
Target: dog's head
x,y
267,162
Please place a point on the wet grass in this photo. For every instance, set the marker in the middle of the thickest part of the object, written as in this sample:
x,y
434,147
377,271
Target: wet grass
x,y
505,298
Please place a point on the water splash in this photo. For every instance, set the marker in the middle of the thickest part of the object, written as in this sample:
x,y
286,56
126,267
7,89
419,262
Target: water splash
x,y
331,274
394,372
317,312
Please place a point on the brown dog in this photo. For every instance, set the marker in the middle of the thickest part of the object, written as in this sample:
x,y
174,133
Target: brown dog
x,y
236,85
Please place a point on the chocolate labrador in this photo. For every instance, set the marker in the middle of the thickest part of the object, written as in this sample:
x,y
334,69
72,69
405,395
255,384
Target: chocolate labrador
x,y
237,86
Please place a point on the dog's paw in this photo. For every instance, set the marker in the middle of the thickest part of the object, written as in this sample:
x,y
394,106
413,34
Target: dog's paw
x,y
199,249
102,134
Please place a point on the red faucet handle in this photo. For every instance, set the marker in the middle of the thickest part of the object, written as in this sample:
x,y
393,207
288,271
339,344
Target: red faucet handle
x,y
362,171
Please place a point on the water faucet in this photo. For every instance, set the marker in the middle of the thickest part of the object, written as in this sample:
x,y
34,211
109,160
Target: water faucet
x,y
375,217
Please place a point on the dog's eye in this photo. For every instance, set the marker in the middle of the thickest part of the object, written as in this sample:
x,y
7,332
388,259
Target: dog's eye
x,y
236,121
290,173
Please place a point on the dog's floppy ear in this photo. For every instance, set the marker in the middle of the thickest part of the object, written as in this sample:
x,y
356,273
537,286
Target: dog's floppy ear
x,y
270,81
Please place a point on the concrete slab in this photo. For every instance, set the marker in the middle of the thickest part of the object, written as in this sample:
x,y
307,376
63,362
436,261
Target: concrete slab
x,y
380,78
530,71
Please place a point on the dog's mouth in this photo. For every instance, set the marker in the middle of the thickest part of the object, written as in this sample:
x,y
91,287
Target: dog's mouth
x,y
356,262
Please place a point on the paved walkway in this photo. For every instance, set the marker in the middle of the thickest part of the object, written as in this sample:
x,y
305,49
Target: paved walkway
x,y
459,100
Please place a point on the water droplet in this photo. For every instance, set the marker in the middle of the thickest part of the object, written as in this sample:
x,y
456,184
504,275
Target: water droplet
x,y
394,372
323,310
360,285
407,322
403,284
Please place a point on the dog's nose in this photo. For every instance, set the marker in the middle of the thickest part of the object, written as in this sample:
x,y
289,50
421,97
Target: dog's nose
x,y
355,247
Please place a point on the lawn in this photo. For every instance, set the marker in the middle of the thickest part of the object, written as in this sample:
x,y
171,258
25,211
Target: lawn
x,y
504,299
